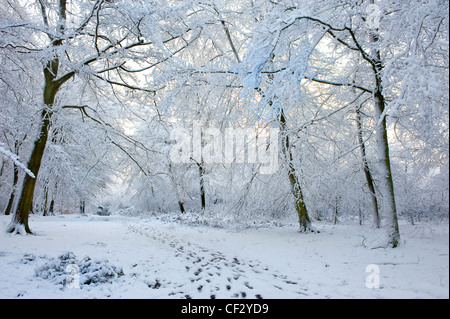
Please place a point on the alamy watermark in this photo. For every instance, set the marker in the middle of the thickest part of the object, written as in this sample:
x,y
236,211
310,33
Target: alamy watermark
x,y
373,16
231,145
373,279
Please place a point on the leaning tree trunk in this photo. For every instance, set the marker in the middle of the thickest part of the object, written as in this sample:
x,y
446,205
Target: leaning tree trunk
x,y
300,206
25,203
51,87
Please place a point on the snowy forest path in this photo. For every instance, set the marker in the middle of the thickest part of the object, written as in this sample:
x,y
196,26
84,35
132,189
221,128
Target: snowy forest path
x,y
211,273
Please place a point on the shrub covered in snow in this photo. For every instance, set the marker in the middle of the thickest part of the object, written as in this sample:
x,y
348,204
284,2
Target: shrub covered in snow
x,y
66,268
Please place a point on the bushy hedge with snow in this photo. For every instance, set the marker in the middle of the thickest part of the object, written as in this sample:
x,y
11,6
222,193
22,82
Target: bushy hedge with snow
x,y
67,270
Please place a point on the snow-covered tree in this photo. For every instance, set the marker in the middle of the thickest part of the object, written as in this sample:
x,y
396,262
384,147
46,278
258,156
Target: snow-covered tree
x,y
95,41
390,46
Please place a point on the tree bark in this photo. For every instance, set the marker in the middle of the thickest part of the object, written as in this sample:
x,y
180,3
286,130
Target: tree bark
x,y
25,203
45,206
367,173
181,205
9,207
387,182
177,193
296,190
201,172
12,197
336,211
82,207
51,209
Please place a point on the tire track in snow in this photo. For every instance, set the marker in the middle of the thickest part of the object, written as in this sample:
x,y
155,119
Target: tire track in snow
x,y
212,274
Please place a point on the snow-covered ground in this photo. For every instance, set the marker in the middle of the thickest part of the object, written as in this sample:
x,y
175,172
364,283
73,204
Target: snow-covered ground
x,y
142,257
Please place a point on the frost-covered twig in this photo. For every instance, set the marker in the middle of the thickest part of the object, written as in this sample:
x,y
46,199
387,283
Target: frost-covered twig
x,y
15,159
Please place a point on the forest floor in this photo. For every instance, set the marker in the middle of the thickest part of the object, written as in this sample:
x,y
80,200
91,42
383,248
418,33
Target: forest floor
x,y
145,257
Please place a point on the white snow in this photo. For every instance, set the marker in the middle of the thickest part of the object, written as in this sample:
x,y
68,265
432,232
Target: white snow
x,y
169,259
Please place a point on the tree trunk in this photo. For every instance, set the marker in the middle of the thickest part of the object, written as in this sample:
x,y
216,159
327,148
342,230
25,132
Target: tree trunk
x,y
387,182
45,209
300,206
336,211
51,209
82,207
367,173
202,186
51,87
360,217
25,202
177,193
13,191
181,205
9,207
